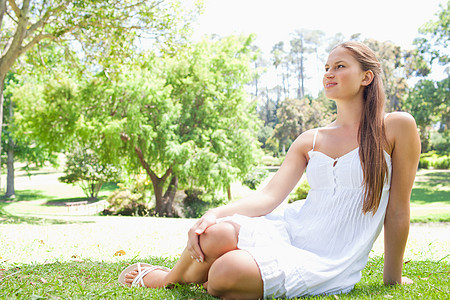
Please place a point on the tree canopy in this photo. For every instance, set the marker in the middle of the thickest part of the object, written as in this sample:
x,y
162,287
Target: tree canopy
x,y
184,118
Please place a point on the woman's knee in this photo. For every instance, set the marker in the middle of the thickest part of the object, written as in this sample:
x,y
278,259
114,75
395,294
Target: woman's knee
x,y
219,239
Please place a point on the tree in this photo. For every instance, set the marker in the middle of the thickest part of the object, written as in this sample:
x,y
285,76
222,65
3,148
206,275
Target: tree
x,y
18,146
98,29
428,102
83,166
185,118
435,37
297,116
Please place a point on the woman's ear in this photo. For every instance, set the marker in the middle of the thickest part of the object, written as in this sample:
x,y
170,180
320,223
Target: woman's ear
x,y
368,78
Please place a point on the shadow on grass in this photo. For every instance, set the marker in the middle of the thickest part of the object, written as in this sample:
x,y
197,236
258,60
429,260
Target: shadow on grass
x,y
26,195
98,280
7,218
430,187
63,201
109,187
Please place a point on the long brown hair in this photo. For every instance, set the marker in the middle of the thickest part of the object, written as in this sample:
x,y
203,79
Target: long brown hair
x,y
371,133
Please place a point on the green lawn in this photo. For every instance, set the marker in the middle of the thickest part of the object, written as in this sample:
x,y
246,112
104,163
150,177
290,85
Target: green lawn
x,y
98,280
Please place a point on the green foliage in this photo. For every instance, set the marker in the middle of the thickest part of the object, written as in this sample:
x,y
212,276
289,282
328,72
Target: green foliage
x,y
434,160
300,192
440,141
428,102
255,177
84,168
434,36
296,116
197,202
132,199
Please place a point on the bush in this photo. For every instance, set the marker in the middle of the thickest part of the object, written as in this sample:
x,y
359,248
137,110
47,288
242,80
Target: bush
x,y
255,177
434,160
197,202
300,192
83,166
130,201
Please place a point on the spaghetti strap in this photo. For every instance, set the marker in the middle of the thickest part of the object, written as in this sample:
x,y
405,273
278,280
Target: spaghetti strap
x,y
314,140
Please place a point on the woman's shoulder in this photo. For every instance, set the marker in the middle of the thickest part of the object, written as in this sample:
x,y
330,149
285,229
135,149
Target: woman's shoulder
x,y
304,142
400,127
398,121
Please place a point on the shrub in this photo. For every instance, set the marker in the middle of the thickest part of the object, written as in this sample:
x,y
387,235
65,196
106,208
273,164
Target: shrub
x,y
255,177
434,160
84,167
300,192
132,200
197,202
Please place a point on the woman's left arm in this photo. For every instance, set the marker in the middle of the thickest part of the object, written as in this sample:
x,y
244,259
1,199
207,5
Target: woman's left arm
x,y
401,131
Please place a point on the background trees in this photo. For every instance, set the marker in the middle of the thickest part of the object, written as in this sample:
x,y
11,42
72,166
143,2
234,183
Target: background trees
x,y
183,118
188,115
101,32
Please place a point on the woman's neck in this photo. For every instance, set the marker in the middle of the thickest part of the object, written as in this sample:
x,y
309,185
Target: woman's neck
x,y
349,113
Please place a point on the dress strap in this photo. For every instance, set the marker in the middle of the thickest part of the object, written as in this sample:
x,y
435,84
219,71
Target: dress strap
x,y
314,140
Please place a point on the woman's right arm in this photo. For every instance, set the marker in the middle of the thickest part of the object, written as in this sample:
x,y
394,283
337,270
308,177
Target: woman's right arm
x,y
263,201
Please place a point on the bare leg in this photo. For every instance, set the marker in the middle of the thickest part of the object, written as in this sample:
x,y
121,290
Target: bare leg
x,y
215,242
235,275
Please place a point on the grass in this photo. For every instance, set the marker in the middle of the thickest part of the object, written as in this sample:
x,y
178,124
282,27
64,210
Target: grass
x,y
430,194
98,280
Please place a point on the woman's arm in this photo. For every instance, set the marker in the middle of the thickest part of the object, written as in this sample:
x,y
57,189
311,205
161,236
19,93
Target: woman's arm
x,y
402,134
264,201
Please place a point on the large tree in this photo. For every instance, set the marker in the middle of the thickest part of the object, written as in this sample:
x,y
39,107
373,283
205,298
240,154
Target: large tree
x,y
184,118
102,30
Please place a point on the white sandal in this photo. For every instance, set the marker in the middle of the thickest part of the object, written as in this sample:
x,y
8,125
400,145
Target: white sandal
x,y
143,269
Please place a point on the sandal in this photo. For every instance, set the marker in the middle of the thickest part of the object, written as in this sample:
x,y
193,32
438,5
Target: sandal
x,y
143,269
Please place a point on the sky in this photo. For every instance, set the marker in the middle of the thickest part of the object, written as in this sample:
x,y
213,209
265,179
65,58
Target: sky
x,y
273,21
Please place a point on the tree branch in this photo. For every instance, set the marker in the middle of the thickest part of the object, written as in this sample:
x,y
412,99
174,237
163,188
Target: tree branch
x,y
45,18
2,13
34,41
15,8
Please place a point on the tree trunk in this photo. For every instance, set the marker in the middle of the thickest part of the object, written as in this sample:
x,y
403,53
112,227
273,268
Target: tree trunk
x,y
10,192
168,198
2,85
164,203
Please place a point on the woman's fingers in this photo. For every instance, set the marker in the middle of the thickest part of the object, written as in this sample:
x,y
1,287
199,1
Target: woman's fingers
x,y
194,236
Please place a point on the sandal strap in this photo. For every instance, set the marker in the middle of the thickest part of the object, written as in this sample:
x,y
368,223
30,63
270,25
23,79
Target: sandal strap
x,y
142,272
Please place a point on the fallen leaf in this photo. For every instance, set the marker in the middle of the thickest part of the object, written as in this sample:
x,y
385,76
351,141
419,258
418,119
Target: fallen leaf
x,y
43,280
32,283
407,261
42,242
120,253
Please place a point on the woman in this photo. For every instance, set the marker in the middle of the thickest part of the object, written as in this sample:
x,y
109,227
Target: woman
x,y
361,170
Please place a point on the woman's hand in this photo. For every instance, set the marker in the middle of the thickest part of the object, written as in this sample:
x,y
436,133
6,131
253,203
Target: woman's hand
x,y
193,245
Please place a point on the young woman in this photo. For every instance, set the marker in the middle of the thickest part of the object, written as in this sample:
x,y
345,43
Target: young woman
x,y
361,170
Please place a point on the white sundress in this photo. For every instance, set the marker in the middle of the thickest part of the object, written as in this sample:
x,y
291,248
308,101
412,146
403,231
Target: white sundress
x,y
317,246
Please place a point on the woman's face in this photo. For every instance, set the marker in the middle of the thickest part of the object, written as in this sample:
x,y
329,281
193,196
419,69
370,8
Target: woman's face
x,y
343,78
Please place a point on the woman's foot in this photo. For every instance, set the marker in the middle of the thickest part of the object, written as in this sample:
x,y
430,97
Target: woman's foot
x,y
146,275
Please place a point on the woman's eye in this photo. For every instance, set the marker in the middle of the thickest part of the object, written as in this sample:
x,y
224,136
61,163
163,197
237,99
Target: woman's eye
x,y
339,66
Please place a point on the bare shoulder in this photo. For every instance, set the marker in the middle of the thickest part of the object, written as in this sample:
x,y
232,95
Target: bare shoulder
x,y
305,140
401,130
